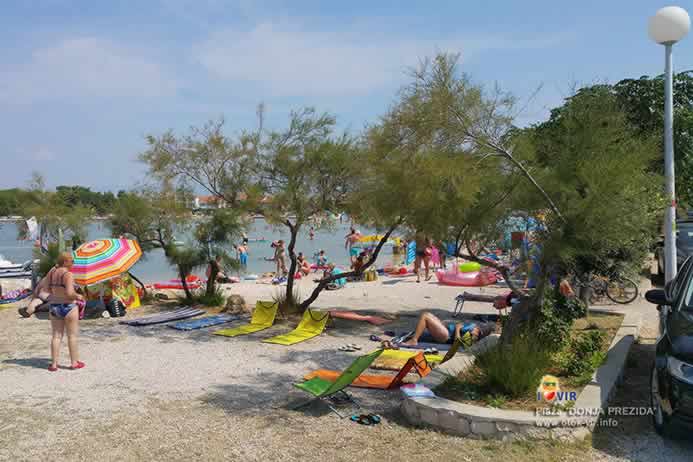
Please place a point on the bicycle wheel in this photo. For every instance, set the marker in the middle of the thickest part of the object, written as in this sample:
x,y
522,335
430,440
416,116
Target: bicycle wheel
x,y
623,290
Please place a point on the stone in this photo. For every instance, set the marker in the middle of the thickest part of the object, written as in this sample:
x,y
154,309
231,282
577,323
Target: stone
x,y
428,416
484,429
506,427
453,423
410,411
235,304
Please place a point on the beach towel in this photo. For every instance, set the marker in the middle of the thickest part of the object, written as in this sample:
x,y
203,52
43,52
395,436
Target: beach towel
x,y
15,296
425,346
207,321
312,324
395,360
380,381
175,315
376,320
263,318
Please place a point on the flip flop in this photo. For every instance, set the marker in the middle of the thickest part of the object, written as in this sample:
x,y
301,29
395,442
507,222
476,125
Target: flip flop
x,y
363,419
346,348
375,338
23,312
53,368
354,346
79,365
374,418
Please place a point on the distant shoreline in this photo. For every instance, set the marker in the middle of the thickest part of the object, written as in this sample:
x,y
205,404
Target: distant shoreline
x,y
16,219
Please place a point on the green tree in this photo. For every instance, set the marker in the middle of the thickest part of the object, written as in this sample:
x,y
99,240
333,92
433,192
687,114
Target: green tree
x,y
305,170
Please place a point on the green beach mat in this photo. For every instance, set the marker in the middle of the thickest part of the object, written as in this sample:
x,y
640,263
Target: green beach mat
x,y
320,388
312,324
263,318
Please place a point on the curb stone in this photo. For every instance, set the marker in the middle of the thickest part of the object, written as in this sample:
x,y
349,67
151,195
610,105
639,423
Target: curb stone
x,y
490,423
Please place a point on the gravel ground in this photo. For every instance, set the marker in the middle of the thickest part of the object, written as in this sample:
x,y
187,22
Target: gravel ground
x,y
158,394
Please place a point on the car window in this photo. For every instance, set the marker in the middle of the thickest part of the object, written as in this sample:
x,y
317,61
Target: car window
x,y
684,235
681,280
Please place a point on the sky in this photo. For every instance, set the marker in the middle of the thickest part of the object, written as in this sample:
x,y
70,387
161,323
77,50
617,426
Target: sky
x,y
83,82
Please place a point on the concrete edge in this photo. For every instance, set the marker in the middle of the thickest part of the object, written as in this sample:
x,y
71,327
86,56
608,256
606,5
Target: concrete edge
x,y
489,423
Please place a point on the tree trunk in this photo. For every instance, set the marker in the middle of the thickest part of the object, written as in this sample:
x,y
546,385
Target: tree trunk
x,y
212,279
322,284
290,300
134,278
522,314
184,282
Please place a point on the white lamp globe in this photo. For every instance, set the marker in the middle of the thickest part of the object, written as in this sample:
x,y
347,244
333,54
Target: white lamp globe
x,y
669,25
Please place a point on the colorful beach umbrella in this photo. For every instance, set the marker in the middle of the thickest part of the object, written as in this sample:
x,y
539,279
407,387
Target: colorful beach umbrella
x,y
104,259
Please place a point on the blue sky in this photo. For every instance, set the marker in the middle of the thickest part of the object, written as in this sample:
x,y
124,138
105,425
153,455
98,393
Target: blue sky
x,y
82,82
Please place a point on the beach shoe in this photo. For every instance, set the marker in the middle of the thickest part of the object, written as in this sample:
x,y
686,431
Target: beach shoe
x,y
346,348
354,346
79,365
363,419
375,338
52,368
374,418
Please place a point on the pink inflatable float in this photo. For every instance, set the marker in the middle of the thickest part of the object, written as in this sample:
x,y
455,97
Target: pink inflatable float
x,y
473,279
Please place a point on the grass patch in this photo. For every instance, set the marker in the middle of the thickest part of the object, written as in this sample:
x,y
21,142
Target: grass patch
x,y
508,378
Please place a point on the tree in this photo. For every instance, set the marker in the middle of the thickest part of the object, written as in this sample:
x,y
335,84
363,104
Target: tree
x,y
305,170
643,101
152,217
585,171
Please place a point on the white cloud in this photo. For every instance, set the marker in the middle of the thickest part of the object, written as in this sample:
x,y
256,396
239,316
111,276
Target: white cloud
x,y
83,67
287,61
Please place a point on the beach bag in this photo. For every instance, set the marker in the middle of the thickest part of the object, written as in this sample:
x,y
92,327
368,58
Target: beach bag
x,y
116,308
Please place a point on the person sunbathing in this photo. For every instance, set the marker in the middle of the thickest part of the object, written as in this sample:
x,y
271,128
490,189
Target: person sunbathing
x,y
430,329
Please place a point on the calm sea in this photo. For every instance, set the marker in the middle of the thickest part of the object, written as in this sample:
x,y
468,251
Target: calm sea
x,y
153,266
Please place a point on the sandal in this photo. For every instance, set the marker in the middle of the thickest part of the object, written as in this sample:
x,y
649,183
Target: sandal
x,y
79,365
354,346
52,368
375,338
346,348
363,419
23,312
374,418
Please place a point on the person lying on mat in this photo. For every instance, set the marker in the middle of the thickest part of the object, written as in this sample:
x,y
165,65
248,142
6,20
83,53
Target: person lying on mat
x,y
38,298
431,329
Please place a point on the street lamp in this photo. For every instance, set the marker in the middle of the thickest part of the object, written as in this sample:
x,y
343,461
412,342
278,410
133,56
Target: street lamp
x,y
669,25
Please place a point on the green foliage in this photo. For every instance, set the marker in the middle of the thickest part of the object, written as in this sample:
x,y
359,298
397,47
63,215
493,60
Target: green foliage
x,y
47,261
551,326
513,370
643,101
15,201
583,354
216,298
80,196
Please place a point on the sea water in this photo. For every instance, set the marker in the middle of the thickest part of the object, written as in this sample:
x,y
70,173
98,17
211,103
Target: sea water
x,y
153,266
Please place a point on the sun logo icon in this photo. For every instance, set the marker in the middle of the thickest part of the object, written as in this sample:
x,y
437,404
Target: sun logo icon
x,y
548,389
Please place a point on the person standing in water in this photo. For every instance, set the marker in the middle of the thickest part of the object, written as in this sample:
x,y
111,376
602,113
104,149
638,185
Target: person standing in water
x,y
350,244
423,254
243,254
311,233
64,313
280,258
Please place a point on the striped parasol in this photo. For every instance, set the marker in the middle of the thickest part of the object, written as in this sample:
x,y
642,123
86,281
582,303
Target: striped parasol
x,y
104,259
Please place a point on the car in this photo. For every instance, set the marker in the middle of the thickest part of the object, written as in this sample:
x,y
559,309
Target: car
x,y
684,244
671,380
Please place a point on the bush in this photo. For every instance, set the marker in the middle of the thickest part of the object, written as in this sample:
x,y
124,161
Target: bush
x,y
513,370
555,318
215,299
583,354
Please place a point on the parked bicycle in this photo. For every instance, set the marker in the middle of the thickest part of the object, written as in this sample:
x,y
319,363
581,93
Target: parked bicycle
x,y
618,289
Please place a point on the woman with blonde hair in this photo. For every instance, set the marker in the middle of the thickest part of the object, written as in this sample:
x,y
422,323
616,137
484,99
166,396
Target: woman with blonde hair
x,y
64,313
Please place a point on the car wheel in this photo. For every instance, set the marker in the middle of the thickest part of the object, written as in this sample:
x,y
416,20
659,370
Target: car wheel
x,y
659,419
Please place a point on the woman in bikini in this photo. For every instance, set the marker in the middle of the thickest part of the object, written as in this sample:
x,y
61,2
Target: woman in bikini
x,y
423,255
64,313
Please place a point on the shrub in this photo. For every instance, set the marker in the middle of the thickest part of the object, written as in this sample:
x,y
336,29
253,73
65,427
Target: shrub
x,y
214,299
513,370
583,354
555,318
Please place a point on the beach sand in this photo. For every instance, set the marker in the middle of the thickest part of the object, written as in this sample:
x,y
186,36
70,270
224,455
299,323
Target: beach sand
x,y
241,384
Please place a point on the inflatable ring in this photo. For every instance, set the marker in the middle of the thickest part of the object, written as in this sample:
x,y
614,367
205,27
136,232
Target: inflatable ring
x,y
470,267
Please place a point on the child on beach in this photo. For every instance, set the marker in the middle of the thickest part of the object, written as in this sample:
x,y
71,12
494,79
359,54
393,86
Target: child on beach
x,y
322,259
280,258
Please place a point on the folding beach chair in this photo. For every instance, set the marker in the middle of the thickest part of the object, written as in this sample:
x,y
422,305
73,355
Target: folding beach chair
x,y
468,296
263,318
324,390
380,382
312,324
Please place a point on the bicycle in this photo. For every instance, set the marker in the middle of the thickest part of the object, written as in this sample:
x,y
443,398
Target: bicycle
x,y
618,289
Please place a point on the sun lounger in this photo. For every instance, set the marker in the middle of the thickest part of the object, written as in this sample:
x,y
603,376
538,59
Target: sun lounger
x,y
263,318
312,324
395,360
323,390
175,315
381,382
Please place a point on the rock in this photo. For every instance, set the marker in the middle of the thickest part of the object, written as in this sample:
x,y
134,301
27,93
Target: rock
x,y
235,304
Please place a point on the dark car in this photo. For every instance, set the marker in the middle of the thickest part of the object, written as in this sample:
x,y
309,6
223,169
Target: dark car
x,y
671,391
684,244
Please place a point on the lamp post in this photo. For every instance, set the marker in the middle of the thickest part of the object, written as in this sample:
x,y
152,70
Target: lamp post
x,y
669,25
